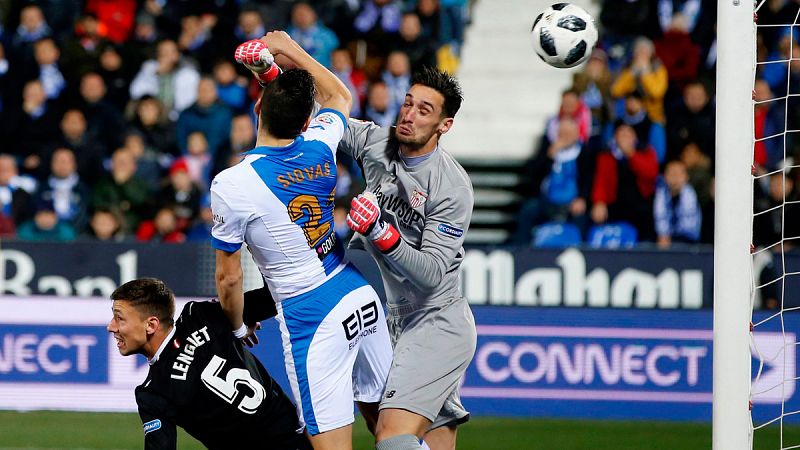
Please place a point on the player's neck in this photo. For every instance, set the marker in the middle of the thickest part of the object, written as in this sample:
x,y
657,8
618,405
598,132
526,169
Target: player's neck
x,y
265,139
413,151
152,346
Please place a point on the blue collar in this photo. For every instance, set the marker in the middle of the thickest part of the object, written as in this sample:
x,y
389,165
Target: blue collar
x,y
266,150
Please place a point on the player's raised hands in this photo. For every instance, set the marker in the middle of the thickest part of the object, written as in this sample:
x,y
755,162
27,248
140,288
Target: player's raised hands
x,y
255,55
365,218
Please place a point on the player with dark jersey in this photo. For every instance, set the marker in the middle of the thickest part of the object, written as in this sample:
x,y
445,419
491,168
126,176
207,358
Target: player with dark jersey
x,y
201,377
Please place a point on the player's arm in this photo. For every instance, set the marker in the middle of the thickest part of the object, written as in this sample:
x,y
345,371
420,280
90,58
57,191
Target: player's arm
x,y
442,237
158,424
331,92
231,215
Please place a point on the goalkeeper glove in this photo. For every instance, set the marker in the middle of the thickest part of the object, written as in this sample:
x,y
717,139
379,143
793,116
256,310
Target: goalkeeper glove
x,y
255,55
365,218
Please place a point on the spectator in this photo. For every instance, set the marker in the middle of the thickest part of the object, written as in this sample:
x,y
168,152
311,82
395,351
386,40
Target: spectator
x,y
397,77
197,161
250,26
45,226
163,228
315,38
182,194
242,139
88,152
116,75
195,38
698,167
689,9
692,120
15,202
35,126
122,192
379,106
679,54
32,27
572,107
421,51
148,161
208,115
144,41
105,226
647,131
117,16
779,209
677,212
776,73
593,84
151,122
624,183
647,75
201,230
64,189
343,232
82,52
47,54
104,121
354,79
231,88
169,77
622,21
769,127
378,22
429,17
555,184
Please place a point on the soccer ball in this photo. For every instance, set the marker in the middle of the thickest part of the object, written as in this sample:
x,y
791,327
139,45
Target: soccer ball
x,y
563,35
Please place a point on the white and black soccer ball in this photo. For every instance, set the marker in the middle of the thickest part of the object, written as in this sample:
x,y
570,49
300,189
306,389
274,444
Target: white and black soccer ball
x,y
564,35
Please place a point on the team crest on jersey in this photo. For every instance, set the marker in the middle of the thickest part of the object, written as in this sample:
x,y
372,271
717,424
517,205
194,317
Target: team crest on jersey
x,y
417,198
325,118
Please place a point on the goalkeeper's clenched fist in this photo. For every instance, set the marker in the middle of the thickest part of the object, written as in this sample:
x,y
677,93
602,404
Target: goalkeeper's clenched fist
x,y
255,55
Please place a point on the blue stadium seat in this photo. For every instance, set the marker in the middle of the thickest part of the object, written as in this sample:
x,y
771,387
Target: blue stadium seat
x,y
613,235
556,235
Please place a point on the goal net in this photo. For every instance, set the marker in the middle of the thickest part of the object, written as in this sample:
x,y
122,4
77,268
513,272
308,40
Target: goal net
x,y
768,70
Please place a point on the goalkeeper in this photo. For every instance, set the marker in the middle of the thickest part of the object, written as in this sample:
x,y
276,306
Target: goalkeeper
x,y
412,219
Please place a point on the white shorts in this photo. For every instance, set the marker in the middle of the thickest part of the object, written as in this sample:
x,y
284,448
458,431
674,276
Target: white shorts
x,y
336,348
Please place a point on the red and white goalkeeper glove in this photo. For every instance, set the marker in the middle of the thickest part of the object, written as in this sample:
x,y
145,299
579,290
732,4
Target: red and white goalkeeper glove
x,y
365,218
255,55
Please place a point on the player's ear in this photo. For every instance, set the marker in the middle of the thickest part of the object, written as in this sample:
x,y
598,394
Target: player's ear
x,y
445,125
152,323
308,122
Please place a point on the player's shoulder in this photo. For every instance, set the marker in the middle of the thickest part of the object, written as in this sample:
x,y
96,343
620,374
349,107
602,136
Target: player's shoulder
x,y
451,171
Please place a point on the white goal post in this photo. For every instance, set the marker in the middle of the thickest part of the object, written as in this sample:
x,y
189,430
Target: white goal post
x,y
732,427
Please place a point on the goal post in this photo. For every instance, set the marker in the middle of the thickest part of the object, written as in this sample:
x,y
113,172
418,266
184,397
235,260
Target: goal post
x,y
732,426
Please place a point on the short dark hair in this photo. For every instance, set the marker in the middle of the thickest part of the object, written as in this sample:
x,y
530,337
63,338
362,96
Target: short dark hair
x,y
287,102
150,296
443,83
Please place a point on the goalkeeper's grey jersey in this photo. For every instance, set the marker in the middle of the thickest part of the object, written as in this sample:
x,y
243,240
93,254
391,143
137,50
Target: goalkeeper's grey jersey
x,y
430,204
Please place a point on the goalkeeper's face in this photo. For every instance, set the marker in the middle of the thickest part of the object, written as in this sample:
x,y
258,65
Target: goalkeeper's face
x,y
129,327
421,118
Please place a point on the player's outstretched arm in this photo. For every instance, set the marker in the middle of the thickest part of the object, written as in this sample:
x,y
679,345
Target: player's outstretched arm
x,y
229,278
331,92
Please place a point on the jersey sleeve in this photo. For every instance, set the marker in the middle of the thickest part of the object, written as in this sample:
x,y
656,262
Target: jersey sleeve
x,y
442,239
328,126
158,422
231,214
355,137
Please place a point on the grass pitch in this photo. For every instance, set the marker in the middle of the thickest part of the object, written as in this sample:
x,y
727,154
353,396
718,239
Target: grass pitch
x,y
102,431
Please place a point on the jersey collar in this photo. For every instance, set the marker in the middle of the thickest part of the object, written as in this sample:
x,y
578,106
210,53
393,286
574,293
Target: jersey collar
x,y
163,345
267,150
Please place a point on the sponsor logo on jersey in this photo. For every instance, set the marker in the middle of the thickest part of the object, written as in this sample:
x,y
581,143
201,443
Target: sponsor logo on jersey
x,y
153,425
218,218
361,323
390,394
450,230
418,198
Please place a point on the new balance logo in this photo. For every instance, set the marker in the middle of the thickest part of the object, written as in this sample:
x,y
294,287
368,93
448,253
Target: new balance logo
x,y
390,394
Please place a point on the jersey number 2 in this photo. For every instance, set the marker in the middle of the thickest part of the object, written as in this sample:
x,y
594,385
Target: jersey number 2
x,y
228,388
308,206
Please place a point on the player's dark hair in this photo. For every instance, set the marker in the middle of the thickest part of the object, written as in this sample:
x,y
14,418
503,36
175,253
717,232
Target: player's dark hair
x,y
443,83
149,296
286,103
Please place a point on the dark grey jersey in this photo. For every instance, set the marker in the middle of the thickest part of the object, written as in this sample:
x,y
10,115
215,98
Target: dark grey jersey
x,y
430,204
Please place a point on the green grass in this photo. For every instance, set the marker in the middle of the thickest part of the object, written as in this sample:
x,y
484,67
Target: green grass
x,y
70,430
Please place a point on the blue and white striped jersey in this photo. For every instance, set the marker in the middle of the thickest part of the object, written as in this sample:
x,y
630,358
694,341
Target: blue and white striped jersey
x,y
279,200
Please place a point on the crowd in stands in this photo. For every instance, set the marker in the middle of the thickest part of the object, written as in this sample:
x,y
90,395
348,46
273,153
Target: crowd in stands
x,y
116,114
630,152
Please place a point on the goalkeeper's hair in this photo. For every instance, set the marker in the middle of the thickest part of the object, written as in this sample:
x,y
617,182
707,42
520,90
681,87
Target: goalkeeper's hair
x,y
287,102
443,83
149,296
